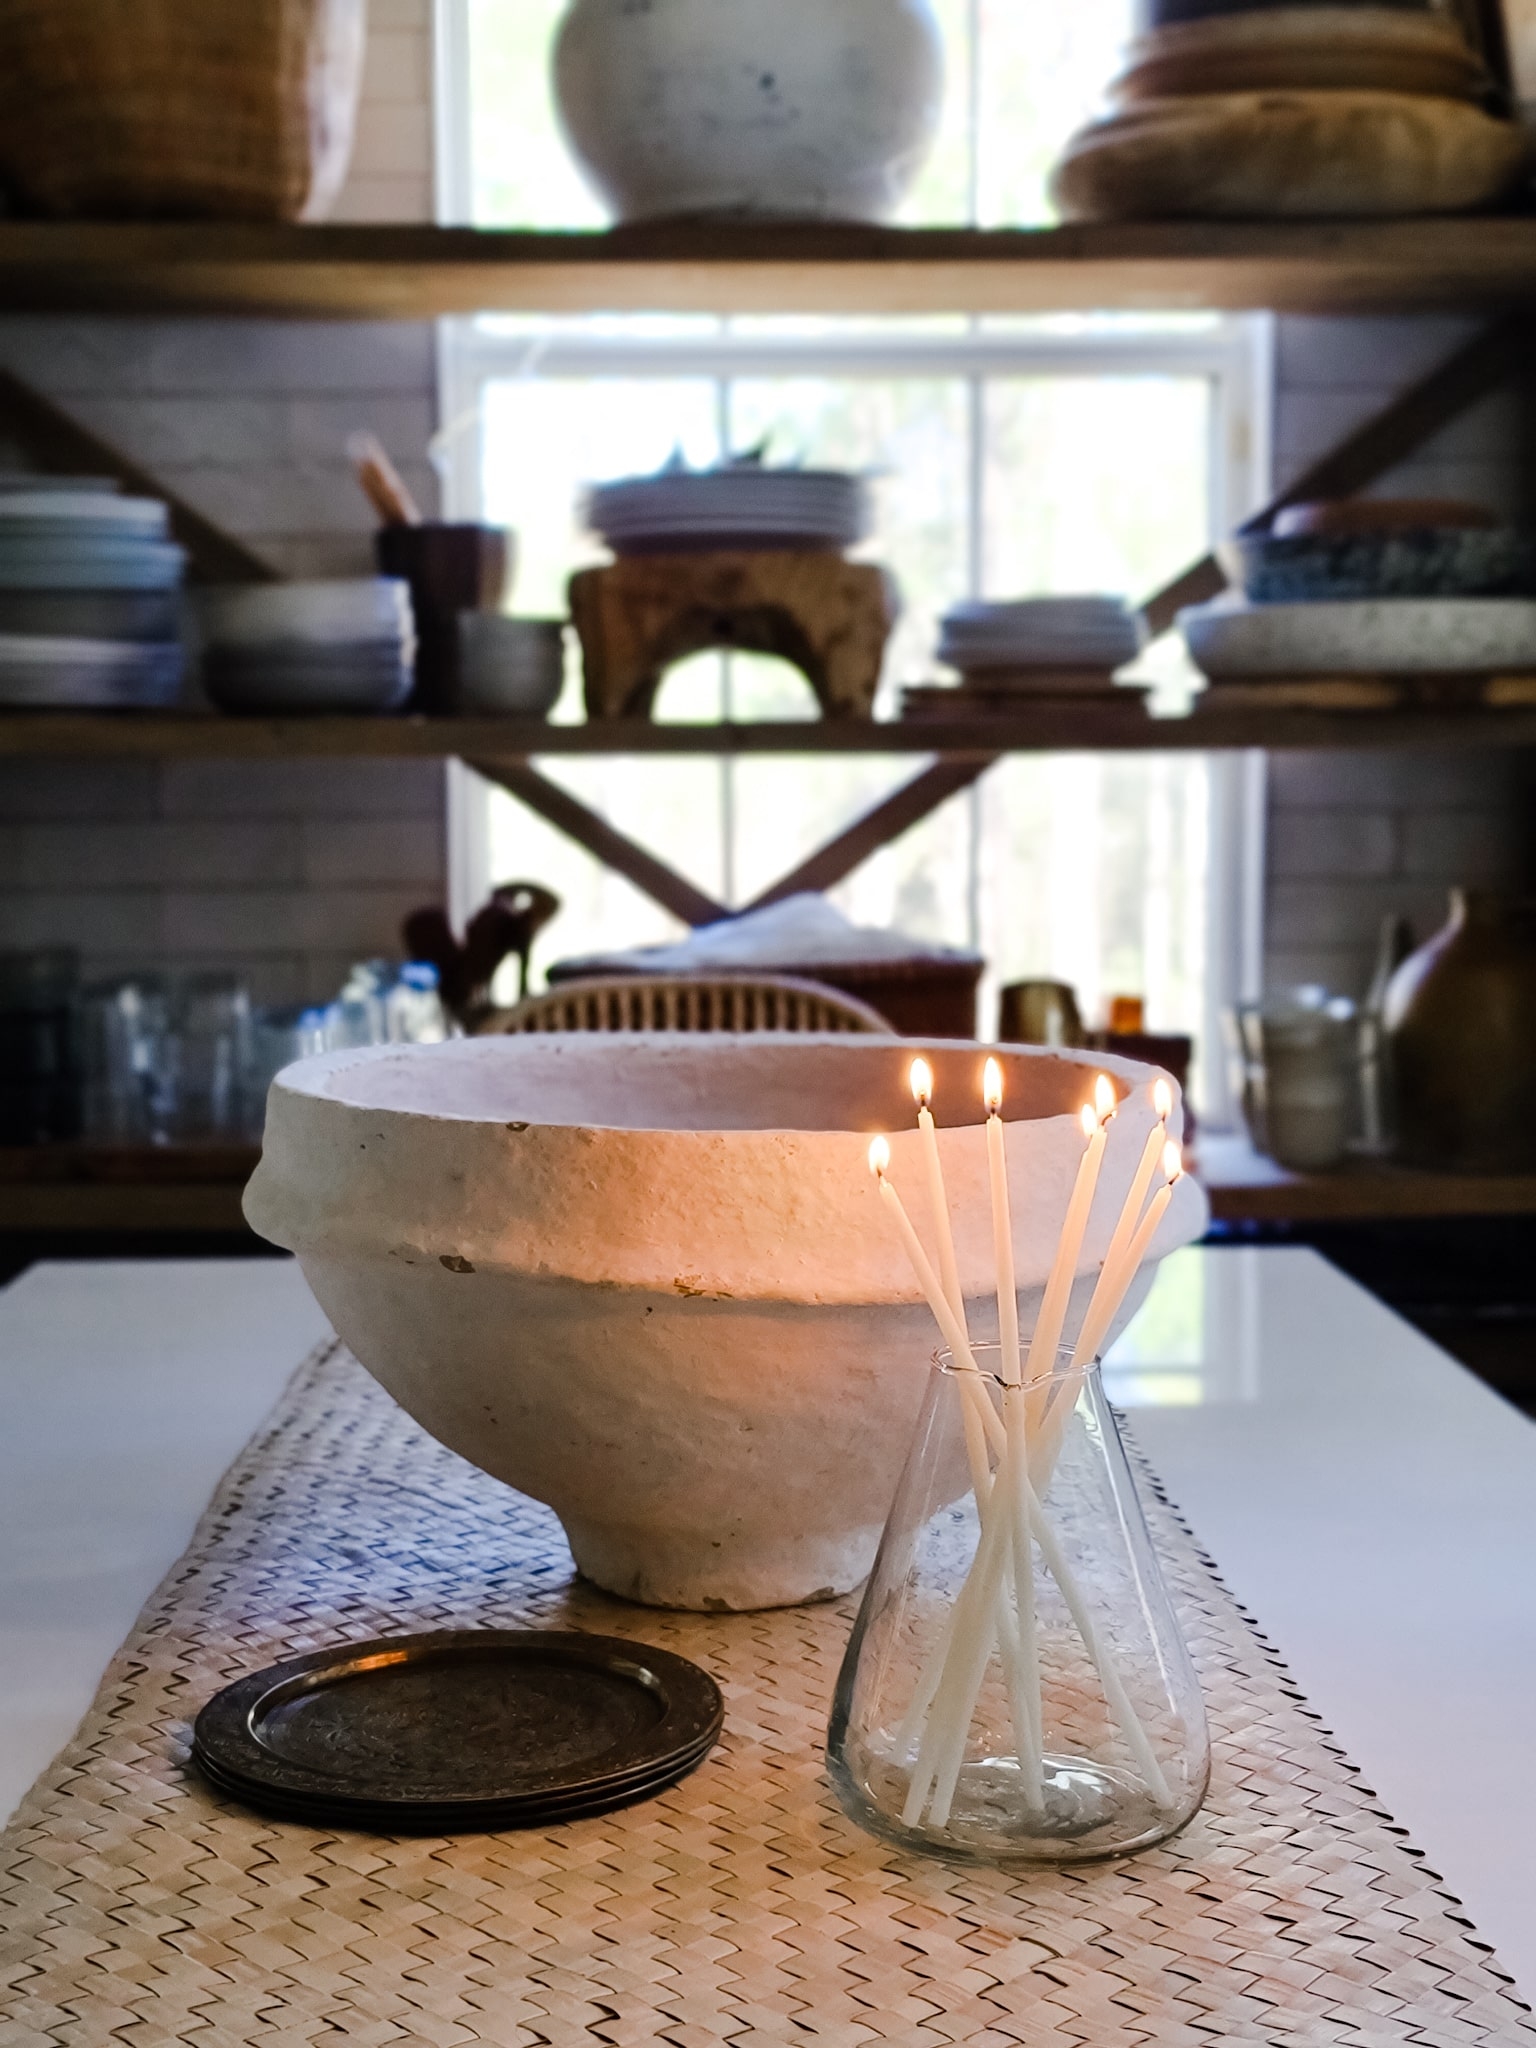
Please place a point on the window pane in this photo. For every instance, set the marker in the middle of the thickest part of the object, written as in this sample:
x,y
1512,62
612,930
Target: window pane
x,y
1094,873
522,173
912,437
1066,506
1044,65
544,439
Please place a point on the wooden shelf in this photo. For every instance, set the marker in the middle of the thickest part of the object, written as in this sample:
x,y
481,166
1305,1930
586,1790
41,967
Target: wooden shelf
x,y
1245,1187
417,273
189,736
181,1188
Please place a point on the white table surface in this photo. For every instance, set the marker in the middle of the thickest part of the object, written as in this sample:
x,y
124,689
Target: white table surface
x,y
1365,1497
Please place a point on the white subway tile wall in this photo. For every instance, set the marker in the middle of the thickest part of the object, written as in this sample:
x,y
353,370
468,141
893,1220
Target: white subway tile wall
x,y
285,872
1354,837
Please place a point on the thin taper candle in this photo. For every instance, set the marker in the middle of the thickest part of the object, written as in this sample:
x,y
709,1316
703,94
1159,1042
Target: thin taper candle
x,y
1046,1340
954,1336
1002,1225
938,1198
1114,1285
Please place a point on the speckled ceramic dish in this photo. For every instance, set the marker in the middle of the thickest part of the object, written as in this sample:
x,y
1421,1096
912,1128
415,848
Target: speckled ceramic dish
x,y
1432,562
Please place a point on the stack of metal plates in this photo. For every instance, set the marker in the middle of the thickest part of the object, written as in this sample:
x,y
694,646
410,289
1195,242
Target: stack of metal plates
x,y
473,1730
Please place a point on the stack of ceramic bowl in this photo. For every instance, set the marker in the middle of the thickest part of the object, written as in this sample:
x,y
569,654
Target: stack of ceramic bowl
x,y
742,505
509,665
1250,108
90,606
309,647
1031,651
1367,604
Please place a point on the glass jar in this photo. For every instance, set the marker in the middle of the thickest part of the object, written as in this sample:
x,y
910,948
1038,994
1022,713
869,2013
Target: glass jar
x,y
1016,1688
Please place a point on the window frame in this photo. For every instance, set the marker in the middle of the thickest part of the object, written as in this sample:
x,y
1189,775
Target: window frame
x,y
1233,353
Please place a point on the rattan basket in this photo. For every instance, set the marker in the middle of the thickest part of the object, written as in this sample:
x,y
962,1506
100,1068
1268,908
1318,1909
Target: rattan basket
x,y
230,109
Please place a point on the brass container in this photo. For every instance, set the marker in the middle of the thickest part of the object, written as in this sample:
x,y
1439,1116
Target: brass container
x,y
1460,1016
1039,1013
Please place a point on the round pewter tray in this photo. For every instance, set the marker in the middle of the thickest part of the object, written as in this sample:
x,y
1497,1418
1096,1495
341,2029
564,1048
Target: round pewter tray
x,y
475,1728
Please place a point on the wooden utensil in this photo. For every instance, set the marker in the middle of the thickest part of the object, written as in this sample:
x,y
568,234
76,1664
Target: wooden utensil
x,y
383,486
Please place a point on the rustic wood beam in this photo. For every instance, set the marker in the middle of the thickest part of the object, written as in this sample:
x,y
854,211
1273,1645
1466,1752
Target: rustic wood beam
x,y
578,821
59,444
1480,366
895,814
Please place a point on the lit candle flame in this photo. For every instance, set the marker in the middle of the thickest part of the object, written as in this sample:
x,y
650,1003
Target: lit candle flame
x,y
922,1083
879,1157
992,1087
1088,1120
1173,1162
1104,1098
1162,1100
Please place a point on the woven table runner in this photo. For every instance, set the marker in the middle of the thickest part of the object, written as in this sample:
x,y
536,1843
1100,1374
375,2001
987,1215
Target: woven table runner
x,y
741,1906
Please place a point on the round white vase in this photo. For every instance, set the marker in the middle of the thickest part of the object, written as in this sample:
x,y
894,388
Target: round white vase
x,y
786,109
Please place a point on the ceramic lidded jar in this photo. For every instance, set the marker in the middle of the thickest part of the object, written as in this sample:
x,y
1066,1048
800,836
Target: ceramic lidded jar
x,y
1460,1016
786,109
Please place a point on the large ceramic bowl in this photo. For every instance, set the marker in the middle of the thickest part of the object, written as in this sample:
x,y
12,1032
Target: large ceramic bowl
x,y
649,1280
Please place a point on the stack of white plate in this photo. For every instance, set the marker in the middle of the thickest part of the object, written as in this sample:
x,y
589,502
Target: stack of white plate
x,y
741,506
309,647
1039,639
89,597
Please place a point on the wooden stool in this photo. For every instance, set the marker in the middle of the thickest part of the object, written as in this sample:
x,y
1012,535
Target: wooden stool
x,y
828,617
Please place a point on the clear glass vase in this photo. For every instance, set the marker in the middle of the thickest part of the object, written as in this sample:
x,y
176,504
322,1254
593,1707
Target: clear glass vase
x,y
1016,1688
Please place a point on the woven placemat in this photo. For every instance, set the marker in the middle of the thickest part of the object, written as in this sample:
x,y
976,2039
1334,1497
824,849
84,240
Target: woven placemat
x,y
739,1907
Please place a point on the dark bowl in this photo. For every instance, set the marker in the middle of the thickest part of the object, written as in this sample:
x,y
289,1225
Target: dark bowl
x,y
1431,562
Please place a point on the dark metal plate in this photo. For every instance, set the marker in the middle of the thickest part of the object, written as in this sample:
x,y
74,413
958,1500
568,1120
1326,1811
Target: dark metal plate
x,y
471,1728
461,1817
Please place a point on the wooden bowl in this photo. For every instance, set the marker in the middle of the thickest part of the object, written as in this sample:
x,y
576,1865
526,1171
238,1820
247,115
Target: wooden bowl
x,y
1381,515
1288,155
1292,48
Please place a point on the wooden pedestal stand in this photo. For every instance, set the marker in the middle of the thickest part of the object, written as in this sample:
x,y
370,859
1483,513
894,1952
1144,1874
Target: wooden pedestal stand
x,y
828,617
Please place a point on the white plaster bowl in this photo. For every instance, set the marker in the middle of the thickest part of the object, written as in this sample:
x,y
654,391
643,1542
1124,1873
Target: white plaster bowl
x,y
648,1278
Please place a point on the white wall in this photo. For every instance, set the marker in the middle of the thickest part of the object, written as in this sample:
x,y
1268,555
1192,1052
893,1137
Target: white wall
x,y
1354,836
285,871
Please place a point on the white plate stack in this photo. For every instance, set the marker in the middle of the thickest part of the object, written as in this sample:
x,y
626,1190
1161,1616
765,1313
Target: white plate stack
x,y
278,648
90,608
1042,650
743,505
1034,642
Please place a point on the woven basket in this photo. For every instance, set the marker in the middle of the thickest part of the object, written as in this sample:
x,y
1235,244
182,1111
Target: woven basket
x,y
229,109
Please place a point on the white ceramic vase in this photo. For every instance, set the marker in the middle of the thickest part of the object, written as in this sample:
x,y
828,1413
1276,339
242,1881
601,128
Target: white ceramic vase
x,y
786,109
648,1279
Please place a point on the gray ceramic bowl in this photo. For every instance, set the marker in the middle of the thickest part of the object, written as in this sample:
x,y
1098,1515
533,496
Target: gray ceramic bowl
x,y
1433,562
514,666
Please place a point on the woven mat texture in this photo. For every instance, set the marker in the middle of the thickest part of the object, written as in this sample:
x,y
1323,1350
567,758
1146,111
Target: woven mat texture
x,y
739,1907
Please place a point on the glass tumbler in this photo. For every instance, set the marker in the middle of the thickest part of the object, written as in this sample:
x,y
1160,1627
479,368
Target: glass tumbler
x,y
1016,1688
123,1027
207,1060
